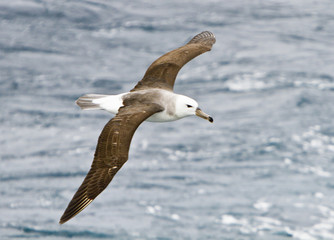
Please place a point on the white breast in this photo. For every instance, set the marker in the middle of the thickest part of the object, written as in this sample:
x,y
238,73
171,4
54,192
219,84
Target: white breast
x,y
167,100
162,117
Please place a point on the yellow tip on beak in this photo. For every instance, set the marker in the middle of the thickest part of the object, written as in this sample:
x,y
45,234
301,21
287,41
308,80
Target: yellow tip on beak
x,y
203,115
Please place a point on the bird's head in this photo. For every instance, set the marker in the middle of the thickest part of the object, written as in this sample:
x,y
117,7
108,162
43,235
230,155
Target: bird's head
x,y
186,106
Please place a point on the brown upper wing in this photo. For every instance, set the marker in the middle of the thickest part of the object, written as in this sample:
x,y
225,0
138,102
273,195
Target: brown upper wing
x,y
110,155
163,71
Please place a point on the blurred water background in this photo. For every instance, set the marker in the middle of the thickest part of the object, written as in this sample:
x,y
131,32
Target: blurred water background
x,y
263,170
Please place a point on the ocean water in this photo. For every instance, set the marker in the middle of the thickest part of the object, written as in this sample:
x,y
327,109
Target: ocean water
x,y
263,170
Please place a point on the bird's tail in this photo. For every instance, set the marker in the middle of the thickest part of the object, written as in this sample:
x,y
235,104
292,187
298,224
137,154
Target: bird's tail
x,y
88,101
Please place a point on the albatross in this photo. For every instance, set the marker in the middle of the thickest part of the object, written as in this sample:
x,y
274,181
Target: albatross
x,y
152,99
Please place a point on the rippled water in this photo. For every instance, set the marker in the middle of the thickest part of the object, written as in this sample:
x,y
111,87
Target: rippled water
x,y
263,170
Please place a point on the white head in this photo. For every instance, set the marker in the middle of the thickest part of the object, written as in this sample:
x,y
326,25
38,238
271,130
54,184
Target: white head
x,y
186,106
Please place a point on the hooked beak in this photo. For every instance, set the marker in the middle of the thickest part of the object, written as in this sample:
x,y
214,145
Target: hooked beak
x,y
203,115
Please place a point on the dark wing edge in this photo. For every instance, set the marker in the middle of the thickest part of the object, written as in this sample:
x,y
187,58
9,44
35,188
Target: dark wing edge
x,y
110,155
163,71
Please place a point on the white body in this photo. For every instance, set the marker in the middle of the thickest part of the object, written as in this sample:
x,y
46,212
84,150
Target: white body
x,y
175,106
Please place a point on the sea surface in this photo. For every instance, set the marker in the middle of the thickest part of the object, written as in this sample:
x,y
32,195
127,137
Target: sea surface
x,y
263,170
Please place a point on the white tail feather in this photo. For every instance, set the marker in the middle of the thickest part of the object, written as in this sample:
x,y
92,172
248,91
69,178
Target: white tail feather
x,y
86,102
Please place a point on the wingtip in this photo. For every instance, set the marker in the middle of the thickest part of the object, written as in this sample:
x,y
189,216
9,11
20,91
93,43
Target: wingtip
x,y
63,220
206,38
74,208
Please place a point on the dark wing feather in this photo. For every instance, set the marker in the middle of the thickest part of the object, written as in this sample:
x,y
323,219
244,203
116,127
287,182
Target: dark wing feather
x,y
163,71
110,155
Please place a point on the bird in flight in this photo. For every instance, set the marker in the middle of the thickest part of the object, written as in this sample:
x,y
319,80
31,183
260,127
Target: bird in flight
x,y
152,99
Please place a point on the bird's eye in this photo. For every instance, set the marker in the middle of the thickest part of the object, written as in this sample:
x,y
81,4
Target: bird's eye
x,y
189,106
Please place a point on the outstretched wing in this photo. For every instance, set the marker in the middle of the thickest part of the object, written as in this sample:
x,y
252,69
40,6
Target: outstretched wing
x,y
110,155
163,71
